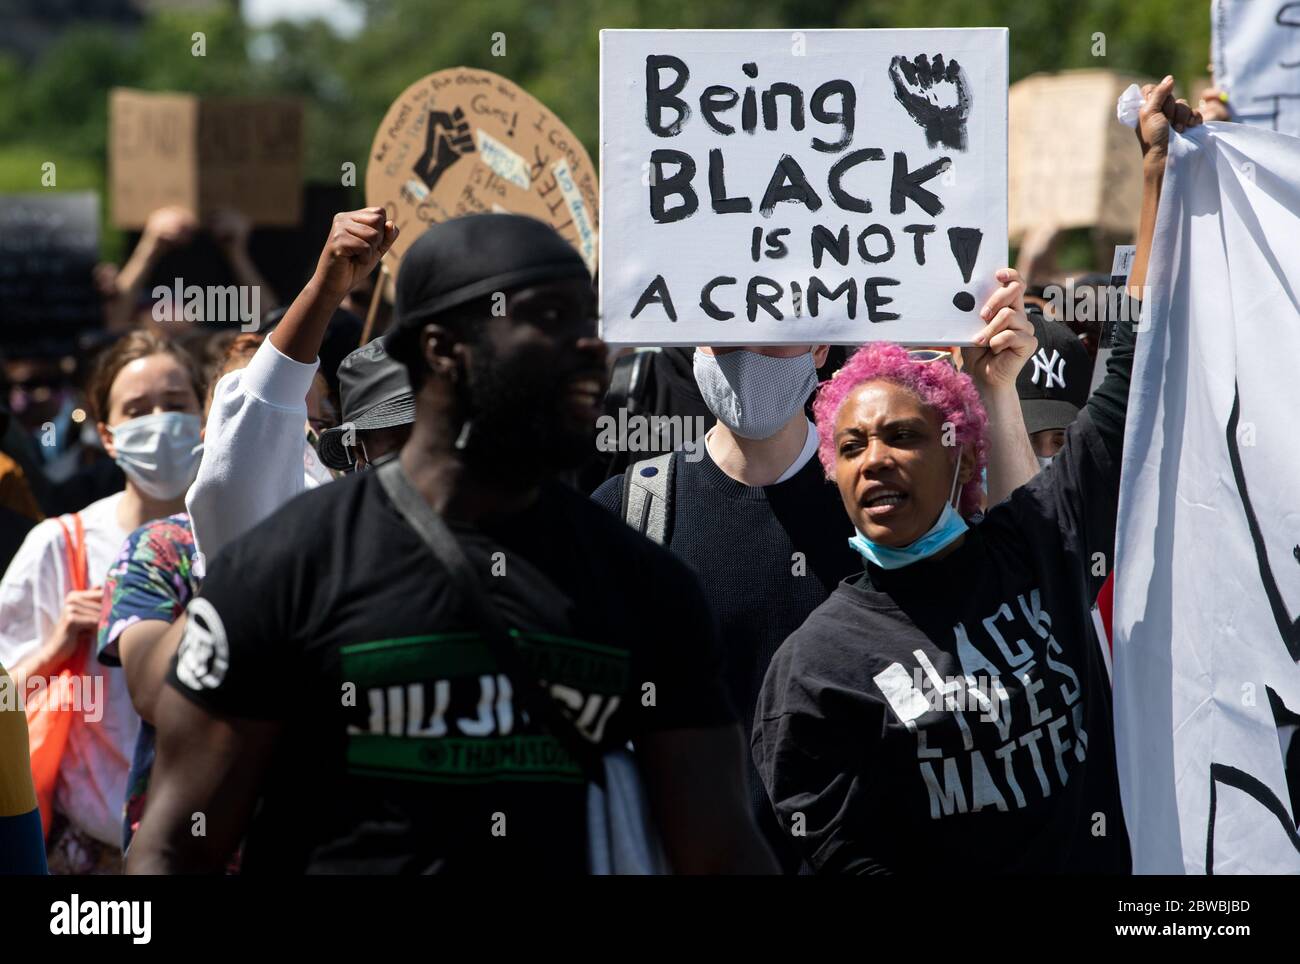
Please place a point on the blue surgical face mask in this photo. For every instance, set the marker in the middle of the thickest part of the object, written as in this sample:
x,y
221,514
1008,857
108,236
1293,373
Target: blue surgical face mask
x,y
948,528
1044,461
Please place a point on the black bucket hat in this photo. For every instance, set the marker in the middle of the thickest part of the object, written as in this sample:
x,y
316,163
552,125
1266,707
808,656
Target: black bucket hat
x,y
375,393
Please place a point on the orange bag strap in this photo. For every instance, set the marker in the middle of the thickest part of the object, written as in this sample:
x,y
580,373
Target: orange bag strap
x,y
74,553
74,557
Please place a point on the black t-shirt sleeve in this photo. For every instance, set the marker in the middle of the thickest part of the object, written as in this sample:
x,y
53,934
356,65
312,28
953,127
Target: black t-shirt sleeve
x,y
1079,491
235,657
1077,495
813,744
678,674
1071,504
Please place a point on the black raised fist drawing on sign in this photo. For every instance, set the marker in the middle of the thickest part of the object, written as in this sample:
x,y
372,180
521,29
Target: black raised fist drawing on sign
x,y
937,96
446,138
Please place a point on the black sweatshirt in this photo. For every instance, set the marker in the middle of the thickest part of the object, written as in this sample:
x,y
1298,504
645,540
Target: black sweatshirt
x,y
767,557
956,712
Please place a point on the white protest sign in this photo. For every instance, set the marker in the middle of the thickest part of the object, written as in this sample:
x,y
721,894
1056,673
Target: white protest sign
x,y
821,186
1256,47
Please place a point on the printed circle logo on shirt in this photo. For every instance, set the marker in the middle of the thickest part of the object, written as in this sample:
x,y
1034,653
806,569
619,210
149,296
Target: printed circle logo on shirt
x,y
204,655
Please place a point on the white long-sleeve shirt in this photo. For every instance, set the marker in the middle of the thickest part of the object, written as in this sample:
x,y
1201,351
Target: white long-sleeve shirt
x,y
255,454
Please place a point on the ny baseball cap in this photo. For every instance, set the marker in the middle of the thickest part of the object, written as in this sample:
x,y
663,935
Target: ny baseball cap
x,y
374,392
1054,384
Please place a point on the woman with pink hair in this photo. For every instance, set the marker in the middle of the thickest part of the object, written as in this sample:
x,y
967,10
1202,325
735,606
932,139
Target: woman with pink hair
x,y
951,703
949,692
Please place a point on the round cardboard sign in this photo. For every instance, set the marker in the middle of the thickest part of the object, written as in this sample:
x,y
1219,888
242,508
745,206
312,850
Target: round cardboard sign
x,y
465,141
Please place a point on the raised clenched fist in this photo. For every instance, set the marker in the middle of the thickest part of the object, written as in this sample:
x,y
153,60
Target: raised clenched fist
x,y
446,139
937,96
358,239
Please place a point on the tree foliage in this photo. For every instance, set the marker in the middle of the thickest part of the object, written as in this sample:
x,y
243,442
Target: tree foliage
x,y
56,109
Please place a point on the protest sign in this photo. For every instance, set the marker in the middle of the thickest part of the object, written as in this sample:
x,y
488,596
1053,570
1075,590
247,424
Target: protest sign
x,y
829,186
464,141
1071,163
1256,51
1207,586
203,154
48,247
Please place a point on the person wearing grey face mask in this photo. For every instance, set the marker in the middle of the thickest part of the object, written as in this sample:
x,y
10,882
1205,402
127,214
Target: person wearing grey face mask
x,y
758,395
751,514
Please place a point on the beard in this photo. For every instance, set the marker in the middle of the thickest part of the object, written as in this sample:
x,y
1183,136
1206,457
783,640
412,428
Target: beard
x,y
520,421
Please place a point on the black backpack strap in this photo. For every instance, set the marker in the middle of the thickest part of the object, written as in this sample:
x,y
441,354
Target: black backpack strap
x,y
631,389
630,381
648,496
442,542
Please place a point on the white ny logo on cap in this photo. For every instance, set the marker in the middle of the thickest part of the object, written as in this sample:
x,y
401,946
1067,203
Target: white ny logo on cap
x,y
1053,367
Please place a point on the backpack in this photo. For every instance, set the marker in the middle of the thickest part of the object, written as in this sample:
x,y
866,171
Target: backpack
x,y
648,496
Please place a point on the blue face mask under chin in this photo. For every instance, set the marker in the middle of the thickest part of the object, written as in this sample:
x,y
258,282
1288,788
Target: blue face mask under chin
x,y
948,528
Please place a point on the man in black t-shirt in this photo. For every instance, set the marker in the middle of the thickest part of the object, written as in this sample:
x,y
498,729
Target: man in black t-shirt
x,y
333,703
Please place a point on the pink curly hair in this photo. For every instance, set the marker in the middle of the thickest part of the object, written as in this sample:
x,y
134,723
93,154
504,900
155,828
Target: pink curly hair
x,y
950,393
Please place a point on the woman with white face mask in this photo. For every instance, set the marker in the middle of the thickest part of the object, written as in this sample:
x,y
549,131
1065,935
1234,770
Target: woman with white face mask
x,y
145,397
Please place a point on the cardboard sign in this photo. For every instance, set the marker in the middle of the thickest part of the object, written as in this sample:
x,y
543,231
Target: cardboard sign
x,y
48,247
1256,49
1072,163
204,154
464,141
821,186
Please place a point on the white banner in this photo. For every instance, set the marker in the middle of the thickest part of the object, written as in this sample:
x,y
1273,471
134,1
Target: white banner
x,y
821,186
1256,49
1207,594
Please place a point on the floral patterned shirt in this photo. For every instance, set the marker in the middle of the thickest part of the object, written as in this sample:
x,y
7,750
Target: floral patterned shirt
x,y
152,578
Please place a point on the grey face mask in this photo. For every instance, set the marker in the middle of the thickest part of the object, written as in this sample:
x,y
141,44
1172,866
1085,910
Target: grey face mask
x,y
753,394
1044,461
